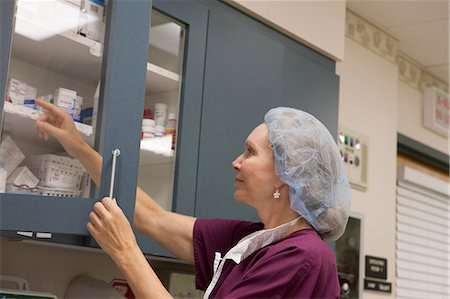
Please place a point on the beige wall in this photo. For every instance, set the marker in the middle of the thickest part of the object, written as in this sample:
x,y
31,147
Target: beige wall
x,y
410,119
368,105
318,24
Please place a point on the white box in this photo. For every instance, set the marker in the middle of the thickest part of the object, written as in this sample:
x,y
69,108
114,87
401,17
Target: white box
x,y
16,91
65,98
30,96
23,176
10,155
30,92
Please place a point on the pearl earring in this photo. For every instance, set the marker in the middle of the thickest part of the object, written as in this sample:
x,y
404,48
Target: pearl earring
x,y
276,194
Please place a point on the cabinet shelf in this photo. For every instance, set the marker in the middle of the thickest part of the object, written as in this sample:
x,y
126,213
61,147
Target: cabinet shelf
x,y
156,150
19,122
74,60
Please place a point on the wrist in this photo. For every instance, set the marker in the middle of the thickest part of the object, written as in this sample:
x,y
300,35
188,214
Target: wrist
x,y
126,257
82,150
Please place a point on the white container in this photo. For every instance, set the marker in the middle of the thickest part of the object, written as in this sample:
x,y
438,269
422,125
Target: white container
x,y
46,191
148,128
160,114
10,155
56,171
159,131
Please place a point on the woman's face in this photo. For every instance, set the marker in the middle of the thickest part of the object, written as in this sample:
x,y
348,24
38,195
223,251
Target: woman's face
x,y
255,178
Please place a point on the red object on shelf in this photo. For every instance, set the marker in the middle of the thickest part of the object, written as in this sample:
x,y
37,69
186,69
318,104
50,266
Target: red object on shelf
x,y
122,286
148,113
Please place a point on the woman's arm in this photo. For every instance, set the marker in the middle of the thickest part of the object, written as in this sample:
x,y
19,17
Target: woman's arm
x,y
111,229
171,230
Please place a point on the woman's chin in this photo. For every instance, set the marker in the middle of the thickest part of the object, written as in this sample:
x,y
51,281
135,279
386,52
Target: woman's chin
x,y
237,197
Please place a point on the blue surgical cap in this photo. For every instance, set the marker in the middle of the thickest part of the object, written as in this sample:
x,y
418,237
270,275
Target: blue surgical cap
x,y
307,159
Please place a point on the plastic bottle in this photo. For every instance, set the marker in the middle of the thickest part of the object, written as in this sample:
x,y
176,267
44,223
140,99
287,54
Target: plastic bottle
x,y
160,118
160,114
148,128
171,127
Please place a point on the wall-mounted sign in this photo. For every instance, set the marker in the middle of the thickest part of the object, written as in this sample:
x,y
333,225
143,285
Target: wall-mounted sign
x,y
379,286
436,111
376,267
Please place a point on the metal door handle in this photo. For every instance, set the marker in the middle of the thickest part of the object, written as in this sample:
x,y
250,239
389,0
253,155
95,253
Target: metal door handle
x,y
115,153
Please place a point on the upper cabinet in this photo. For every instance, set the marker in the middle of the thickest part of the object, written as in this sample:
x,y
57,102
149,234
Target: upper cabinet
x,y
175,86
81,57
249,69
131,76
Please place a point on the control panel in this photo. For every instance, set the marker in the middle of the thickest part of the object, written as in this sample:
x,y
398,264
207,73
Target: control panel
x,y
353,147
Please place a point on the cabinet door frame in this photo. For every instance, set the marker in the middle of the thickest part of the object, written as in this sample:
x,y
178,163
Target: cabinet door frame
x,y
195,17
119,121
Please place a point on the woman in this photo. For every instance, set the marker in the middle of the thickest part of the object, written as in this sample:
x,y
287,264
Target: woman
x,y
290,172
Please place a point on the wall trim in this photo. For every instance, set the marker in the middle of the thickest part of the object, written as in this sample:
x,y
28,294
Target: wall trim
x,y
414,75
375,39
371,36
422,152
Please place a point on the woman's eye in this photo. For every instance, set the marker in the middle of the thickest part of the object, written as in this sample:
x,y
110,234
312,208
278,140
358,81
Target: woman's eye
x,y
249,150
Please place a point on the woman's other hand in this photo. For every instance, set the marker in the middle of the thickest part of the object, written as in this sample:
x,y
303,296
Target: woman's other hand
x,y
60,125
111,229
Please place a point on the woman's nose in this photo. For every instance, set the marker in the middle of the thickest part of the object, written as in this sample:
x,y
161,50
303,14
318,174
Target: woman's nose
x,y
237,162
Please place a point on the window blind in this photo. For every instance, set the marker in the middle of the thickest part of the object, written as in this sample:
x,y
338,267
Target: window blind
x,y
422,236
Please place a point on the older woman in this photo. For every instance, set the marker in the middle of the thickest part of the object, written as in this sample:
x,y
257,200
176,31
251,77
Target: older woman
x,y
290,172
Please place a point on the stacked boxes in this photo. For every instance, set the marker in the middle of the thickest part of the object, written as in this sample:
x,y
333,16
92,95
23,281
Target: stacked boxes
x,y
19,93
68,101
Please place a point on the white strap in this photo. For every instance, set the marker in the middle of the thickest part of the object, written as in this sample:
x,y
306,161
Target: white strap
x,y
217,260
216,276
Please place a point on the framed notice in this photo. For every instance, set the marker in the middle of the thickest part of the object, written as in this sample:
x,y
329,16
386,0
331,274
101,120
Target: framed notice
x,y
436,111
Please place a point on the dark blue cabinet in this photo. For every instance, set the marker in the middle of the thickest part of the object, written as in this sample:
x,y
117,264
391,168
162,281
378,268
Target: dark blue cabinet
x,y
234,70
249,69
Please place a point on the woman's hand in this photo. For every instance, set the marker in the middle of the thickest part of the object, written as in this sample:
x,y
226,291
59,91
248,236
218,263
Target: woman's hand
x,y
111,229
59,124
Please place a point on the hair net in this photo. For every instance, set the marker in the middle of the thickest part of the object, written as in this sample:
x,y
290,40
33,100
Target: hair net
x,y
307,159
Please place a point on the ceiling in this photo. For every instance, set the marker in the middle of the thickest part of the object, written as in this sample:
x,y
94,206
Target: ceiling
x,y
422,28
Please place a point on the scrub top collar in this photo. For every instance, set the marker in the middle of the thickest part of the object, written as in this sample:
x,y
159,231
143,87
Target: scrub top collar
x,y
245,247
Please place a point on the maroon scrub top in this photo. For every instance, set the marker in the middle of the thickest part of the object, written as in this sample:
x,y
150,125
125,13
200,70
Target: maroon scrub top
x,y
300,265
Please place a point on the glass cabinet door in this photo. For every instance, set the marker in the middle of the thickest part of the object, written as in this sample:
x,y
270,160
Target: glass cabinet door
x,y
56,56
63,53
161,108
